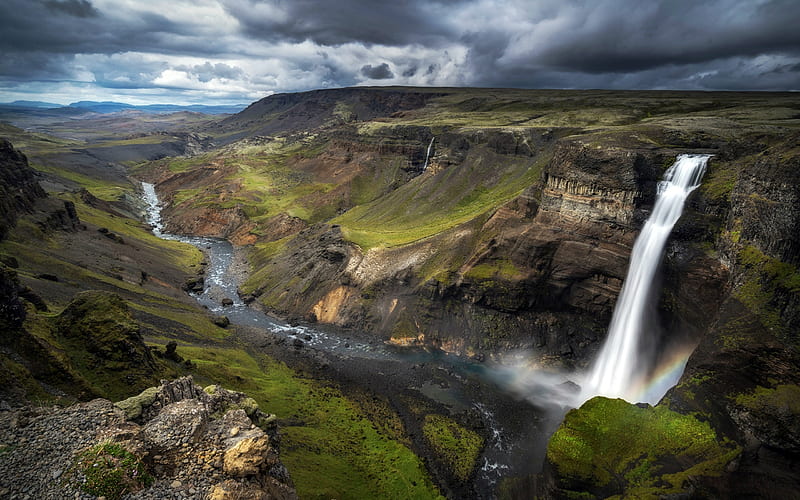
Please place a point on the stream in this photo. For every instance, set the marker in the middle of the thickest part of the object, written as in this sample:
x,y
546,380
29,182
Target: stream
x,y
499,453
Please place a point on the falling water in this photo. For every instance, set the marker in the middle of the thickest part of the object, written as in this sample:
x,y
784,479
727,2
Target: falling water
x,y
621,368
428,154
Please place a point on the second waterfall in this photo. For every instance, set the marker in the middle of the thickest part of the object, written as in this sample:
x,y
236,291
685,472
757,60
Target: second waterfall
x,y
623,366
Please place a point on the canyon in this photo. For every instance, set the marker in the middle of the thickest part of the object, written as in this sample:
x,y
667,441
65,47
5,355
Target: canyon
x,y
484,225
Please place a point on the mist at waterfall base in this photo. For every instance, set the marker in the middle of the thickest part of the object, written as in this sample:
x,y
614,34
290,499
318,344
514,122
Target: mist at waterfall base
x,y
628,365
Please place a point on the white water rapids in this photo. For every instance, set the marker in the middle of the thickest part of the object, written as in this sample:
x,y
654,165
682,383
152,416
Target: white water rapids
x,y
623,367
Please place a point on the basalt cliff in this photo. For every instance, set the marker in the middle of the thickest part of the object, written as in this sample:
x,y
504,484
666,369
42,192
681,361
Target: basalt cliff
x,y
488,222
485,222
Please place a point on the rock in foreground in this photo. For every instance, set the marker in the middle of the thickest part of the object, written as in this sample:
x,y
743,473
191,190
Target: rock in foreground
x,y
195,443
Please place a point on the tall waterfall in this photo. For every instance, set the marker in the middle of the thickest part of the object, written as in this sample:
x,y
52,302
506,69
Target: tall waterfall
x,y
623,365
428,154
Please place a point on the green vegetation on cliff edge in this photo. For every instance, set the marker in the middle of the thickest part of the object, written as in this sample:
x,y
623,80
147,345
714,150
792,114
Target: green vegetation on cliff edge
x,y
614,447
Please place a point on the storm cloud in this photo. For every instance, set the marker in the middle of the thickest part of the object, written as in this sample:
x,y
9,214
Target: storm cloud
x,y
240,50
381,72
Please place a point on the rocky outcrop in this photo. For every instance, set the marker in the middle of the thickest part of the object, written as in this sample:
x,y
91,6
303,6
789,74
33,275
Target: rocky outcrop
x,y
19,188
20,193
192,443
94,347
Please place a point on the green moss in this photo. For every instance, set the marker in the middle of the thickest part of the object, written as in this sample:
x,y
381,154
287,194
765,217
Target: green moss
x,y
455,445
133,405
110,470
765,278
103,345
495,269
321,431
781,399
719,183
609,439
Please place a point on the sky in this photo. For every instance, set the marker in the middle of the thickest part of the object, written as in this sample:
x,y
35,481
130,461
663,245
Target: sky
x,y
238,51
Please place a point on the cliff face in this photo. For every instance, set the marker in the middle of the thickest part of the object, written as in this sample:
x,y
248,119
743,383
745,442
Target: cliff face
x,y
19,189
541,270
741,383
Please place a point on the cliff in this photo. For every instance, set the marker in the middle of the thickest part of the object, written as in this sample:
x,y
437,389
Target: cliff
x,y
19,189
740,386
515,235
515,232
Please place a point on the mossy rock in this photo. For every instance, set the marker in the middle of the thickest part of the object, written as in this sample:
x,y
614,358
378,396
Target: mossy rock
x,y
456,446
610,447
772,415
104,345
133,405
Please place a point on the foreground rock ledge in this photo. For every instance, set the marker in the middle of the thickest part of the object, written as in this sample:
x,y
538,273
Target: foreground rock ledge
x,y
197,443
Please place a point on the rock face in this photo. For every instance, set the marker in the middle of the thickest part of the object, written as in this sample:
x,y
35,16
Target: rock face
x,y
19,189
542,271
93,347
541,266
741,382
195,443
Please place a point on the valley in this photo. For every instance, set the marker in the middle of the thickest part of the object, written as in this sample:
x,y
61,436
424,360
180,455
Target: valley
x,y
439,266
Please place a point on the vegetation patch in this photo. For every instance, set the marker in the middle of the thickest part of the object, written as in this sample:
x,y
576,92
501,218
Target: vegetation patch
x,y
329,444
110,470
426,206
783,398
455,445
611,446
766,281
495,269
719,183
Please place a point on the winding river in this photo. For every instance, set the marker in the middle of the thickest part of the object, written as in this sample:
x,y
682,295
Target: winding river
x,y
221,284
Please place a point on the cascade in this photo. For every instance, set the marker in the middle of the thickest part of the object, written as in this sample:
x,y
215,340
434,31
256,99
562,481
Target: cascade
x,y
622,368
428,154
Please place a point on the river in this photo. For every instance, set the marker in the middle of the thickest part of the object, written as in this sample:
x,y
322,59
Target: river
x,y
469,385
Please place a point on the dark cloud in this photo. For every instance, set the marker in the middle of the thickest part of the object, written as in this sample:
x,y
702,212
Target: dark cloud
x,y
30,26
675,32
77,8
398,22
259,46
380,72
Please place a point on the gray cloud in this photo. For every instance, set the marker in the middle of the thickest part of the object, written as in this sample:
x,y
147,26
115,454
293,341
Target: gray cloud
x,y
77,8
259,46
398,22
380,72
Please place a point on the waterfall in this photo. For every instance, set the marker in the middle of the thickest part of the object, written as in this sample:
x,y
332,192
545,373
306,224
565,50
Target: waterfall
x,y
623,365
428,154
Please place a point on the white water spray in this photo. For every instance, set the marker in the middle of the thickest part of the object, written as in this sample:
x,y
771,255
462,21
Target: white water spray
x,y
621,370
428,154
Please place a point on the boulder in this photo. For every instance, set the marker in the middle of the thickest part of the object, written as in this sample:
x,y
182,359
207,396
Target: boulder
x,y
248,456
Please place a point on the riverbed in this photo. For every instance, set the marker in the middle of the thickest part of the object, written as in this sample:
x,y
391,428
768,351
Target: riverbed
x,y
515,430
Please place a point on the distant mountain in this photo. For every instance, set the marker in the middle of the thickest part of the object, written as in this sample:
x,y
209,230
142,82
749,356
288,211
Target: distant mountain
x,y
114,107
31,104
106,107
